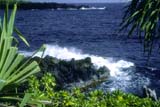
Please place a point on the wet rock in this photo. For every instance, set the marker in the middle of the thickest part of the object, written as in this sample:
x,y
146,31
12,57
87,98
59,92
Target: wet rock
x,y
102,71
149,93
80,72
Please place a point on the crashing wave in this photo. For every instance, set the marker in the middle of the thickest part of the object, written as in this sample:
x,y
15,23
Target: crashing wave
x,y
65,53
122,72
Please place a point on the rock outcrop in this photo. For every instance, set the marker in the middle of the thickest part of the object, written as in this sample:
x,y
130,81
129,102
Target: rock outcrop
x,y
149,93
78,73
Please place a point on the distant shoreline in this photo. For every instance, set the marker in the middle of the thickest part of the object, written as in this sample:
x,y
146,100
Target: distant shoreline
x,y
41,6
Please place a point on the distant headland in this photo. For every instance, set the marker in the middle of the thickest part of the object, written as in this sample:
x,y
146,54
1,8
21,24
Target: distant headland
x,y
33,5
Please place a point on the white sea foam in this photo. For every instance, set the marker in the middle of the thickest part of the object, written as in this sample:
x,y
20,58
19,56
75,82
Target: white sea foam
x,y
82,8
115,67
93,8
122,72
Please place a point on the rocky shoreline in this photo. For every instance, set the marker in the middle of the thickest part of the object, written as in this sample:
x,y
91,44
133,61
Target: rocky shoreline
x,y
74,73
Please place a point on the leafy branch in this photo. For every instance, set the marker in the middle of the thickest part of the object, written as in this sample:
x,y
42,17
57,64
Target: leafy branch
x,y
142,16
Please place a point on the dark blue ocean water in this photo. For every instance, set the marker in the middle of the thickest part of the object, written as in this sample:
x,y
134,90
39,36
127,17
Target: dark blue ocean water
x,y
94,32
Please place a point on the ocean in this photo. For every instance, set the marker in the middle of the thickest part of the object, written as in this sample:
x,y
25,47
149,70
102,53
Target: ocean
x,y
92,33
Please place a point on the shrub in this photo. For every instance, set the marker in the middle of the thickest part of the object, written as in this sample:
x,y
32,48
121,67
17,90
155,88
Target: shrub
x,y
77,98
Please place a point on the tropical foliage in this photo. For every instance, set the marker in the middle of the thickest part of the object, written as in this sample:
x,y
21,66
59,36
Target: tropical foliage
x,y
12,1
143,16
44,90
41,92
13,69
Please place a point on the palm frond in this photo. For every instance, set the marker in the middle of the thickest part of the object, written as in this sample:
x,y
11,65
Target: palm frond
x,y
143,15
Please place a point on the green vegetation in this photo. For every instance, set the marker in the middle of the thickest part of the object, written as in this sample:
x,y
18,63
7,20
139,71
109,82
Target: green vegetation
x,y
143,16
15,73
13,69
45,91
13,1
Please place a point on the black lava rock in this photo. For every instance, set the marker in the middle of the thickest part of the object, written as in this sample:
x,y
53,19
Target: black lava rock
x,y
72,71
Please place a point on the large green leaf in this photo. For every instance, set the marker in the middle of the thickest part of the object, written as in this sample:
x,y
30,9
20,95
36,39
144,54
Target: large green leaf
x,y
13,68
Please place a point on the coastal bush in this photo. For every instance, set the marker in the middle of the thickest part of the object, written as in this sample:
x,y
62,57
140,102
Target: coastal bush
x,y
78,98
